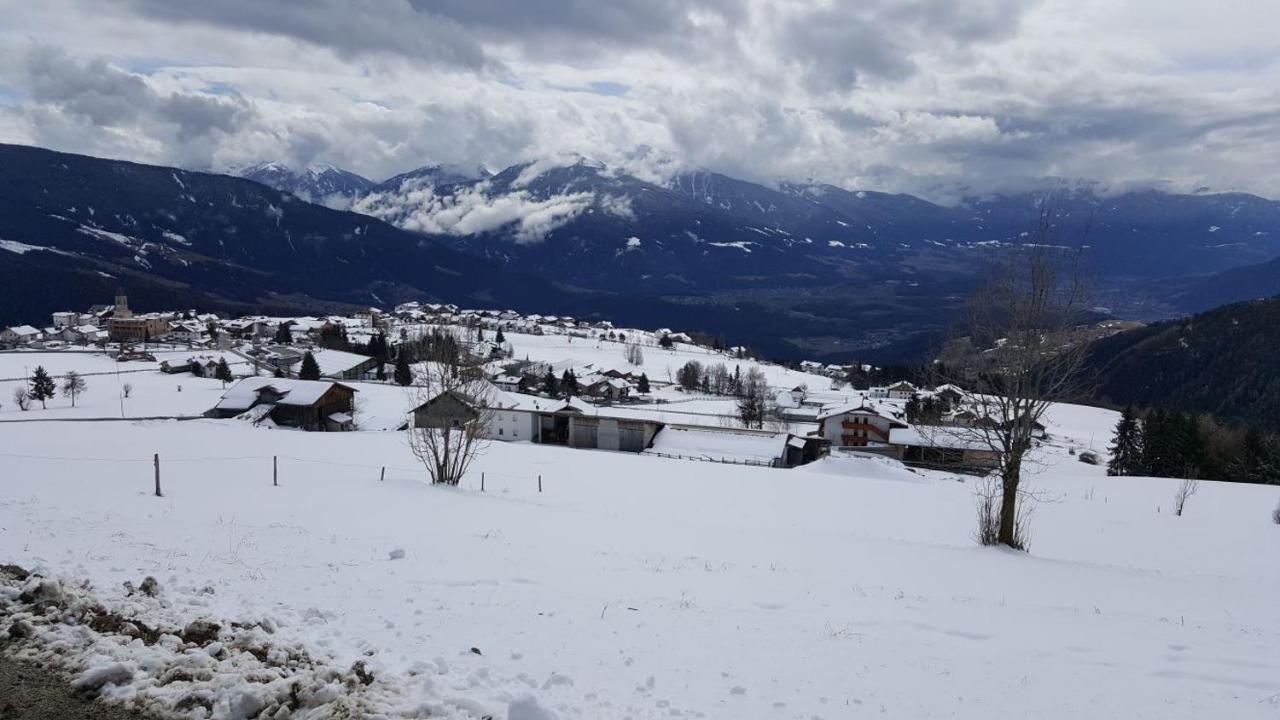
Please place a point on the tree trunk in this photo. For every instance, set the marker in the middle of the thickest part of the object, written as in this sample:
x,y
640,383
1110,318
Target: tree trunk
x,y
1010,478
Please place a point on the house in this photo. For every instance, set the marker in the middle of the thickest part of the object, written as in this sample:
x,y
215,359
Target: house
x,y
508,383
342,365
798,394
737,446
66,319
188,331
901,390
949,394
516,417
19,335
856,426
243,328
448,409
943,447
608,389
316,405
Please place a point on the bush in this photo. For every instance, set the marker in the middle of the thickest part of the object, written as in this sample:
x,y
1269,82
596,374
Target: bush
x,y
1275,514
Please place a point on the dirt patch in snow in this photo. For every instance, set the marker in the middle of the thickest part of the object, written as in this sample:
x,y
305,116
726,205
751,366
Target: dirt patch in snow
x,y
31,692
137,656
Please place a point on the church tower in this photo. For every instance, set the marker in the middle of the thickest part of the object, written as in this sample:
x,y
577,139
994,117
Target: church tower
x,y
122,305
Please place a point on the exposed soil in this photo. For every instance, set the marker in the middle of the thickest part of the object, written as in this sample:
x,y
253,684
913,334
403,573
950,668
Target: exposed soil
x,y
31,692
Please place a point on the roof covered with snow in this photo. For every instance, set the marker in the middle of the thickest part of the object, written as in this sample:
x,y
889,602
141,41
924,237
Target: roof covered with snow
x,y
245,393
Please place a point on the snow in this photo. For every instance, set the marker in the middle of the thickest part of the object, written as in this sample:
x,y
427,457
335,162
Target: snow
x,y
14,246
631,585
720,445
334,363
644,587
244,393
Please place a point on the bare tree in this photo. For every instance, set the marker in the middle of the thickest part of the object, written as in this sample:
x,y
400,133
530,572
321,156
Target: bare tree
x,y
21,398
1275,514
633,354
1028,315
1186,489
127,388
451,418
754,401
73,386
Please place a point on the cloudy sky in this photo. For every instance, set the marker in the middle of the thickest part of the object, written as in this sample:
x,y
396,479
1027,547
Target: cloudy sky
x,y
936,97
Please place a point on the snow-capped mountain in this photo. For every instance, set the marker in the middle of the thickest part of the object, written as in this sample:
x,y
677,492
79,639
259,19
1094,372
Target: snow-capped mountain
x,y
578,220
318,183
438,175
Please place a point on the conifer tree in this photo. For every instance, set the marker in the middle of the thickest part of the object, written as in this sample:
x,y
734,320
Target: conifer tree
x,y
42,386
499,338
1127,447
223,371
1155,446
402,375
284,336
310,369
642,385
550,385
569,383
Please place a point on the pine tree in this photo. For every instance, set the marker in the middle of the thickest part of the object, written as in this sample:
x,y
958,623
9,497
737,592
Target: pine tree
x,y
642,385
1127,447
1155,445
223,371
402,375
499,338
913,409
569,383
42,386
1258,461
284,336
665,341
550,385
310,369
1193,452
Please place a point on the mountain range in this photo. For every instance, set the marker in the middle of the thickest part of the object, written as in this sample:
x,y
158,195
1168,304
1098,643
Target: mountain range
x,y
796,269
581,222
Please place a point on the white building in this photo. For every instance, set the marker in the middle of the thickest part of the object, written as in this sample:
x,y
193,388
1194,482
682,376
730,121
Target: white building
x,y
66,319
856,426
19,335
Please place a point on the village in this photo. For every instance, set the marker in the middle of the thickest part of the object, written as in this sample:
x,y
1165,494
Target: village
x,y
547,380
651,525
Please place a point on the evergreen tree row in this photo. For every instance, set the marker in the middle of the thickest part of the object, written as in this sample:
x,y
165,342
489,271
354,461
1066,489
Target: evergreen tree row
x,y
1171,443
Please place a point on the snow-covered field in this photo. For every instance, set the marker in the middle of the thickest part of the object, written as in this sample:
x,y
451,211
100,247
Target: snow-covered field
x,y
642,587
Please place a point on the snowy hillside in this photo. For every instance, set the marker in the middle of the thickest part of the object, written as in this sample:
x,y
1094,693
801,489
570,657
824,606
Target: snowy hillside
x,y
631,586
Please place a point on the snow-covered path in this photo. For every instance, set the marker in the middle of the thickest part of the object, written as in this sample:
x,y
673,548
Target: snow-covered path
x,y
643,587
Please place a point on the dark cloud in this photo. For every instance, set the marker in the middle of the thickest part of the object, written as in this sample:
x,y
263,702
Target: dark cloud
x,y
348,27
95,102
839,43
629,22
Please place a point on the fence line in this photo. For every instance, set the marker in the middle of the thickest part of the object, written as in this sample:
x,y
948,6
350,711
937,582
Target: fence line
x,y
707,458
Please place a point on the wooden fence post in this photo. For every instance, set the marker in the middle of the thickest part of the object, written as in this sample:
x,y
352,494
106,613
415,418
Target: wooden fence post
x,y
539,483
157,462
275,471
481,482
383,476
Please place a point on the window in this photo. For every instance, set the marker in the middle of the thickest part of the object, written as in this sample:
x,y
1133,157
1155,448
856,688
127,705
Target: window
x,y
499,431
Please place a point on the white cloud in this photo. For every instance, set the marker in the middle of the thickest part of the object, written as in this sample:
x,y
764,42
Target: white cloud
x,y
937,97
473,210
